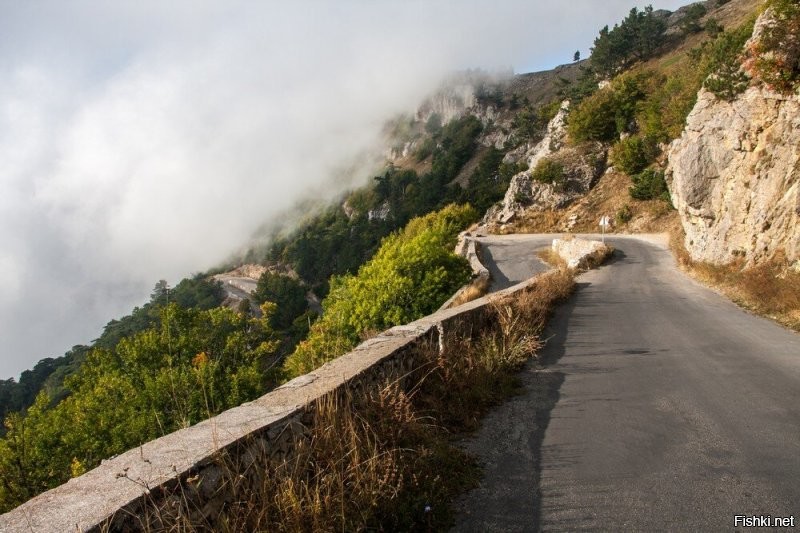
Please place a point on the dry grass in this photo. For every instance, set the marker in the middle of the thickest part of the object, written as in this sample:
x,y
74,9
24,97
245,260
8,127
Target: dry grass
x,y
531,222
598,257
383,458
477,289
770,289
551,257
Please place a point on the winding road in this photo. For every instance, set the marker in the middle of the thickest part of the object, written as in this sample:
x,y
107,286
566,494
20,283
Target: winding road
x,y
657,405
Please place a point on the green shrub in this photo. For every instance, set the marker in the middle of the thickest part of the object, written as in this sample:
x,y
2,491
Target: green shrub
x,y
624,215
410,276
649,185
777,53
610,111
632,155
548,171
594,118
721,60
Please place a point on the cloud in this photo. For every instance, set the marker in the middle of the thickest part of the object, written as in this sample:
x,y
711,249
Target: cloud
x,y
148,140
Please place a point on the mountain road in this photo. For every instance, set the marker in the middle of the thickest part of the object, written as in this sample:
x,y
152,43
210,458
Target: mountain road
x,y
656,404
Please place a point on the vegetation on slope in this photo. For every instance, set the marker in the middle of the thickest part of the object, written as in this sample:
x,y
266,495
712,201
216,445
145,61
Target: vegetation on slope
x,y
385,459
410,276
50,374
190,365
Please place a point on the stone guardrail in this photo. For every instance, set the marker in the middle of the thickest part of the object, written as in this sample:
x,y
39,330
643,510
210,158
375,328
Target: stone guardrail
x,y
115,495
468,248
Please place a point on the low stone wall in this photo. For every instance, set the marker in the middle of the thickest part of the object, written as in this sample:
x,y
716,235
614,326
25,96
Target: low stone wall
x,y
188,466
468,248
578,252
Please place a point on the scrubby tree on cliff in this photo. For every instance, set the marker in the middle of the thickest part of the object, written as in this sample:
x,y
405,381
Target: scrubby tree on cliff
x,y
775,57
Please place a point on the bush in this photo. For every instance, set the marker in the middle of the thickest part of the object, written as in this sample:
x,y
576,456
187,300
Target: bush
x,y
649,185
624,215
777,53
610,111
721,60
410,276
632,155
594,118
548,171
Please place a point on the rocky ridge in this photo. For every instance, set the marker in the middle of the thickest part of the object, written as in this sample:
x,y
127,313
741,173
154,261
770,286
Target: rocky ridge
x,y
582,166
734,175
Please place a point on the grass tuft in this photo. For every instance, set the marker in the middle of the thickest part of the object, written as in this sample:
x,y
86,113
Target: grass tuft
x,y
477,289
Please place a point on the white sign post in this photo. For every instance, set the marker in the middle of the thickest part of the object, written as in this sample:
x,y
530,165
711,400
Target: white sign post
x,y
605,221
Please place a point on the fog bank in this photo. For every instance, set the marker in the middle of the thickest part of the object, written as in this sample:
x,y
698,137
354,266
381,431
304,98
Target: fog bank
x,y
148,140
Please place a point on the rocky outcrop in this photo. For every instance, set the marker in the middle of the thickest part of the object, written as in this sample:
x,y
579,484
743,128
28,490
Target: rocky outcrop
x,y
381,212
449,102
582,167
554,139
734,176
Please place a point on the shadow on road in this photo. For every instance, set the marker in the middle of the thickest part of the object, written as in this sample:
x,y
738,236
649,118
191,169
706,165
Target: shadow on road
x,y
510,442
499,280
545,385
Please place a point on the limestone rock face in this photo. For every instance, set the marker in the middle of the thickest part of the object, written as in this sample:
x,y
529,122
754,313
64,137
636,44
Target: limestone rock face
x,y
734,176
582,165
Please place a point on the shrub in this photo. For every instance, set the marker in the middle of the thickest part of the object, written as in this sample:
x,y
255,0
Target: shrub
x,y
721,59
632,155
776,55
594,118
610,111
410,276
548,171
649,185
624,215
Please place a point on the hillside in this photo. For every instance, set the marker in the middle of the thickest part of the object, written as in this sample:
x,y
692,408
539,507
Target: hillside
x,y
623,134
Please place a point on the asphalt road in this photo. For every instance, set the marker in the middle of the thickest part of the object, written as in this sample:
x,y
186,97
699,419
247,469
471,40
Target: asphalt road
x,y
658,405
511,259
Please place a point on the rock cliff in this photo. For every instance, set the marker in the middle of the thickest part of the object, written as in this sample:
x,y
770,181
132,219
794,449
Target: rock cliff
x,y
582,166
734,176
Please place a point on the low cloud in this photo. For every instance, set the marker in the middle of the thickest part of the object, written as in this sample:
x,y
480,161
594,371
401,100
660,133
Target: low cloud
x,y
149,140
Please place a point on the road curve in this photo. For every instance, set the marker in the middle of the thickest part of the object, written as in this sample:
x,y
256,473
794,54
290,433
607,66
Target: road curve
x,y
657,405
511,259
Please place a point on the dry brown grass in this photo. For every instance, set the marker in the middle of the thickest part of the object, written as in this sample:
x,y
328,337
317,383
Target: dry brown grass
x,y
770,289
477,289
549,256
382,458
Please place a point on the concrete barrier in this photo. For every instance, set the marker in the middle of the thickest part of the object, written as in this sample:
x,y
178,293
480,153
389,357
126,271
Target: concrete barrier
x,y
116,495
578,253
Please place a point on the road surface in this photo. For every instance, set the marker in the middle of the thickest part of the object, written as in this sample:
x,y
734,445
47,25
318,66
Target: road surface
x,y
658,406
511,259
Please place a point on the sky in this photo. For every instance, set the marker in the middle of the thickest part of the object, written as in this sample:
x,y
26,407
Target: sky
x,y
149,140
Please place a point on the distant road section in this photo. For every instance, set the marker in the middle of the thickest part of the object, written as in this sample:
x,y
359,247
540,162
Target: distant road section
x,y
661,406
511,259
